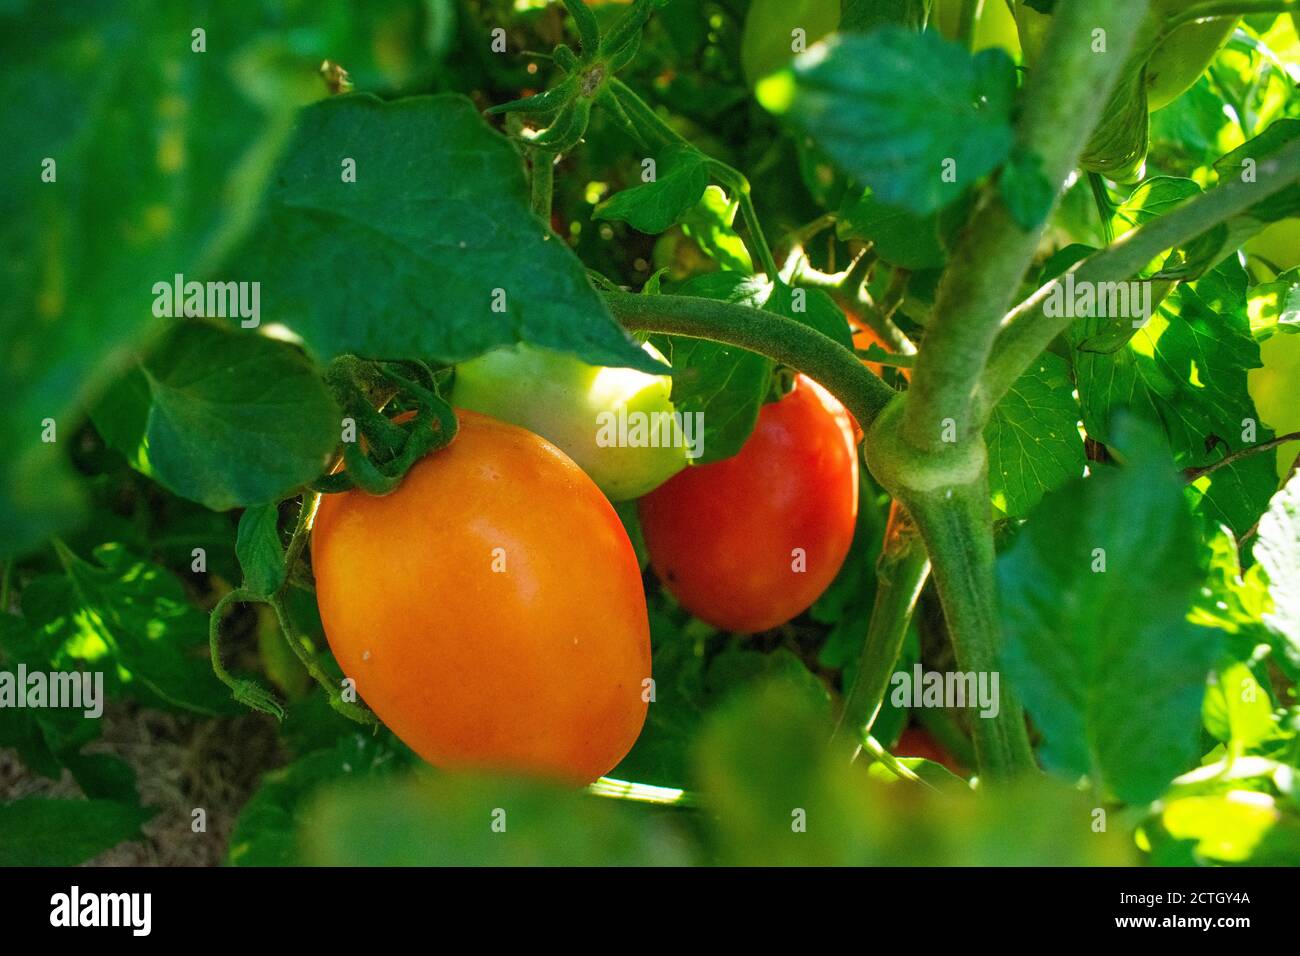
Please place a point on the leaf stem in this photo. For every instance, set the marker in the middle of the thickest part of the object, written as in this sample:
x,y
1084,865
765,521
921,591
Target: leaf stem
x,y
785,340
901,572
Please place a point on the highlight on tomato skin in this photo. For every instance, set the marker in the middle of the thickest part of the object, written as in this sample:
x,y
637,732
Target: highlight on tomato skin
x,y
750,542
490,610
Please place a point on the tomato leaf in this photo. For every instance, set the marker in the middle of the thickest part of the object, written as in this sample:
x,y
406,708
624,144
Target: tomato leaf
x,y
725,384
236,418
132,620
682,176
877,105
261,556
1033,437
265,833
900,237
1094,596
431,253
1186,368
40,832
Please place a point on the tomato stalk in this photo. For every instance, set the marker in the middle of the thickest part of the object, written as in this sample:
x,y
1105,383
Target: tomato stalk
x,y
785,340
1027,330
901,572
543,183
1064,98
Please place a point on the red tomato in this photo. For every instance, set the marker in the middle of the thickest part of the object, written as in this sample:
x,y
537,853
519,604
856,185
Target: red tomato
x,y
748,543
916,742
490,609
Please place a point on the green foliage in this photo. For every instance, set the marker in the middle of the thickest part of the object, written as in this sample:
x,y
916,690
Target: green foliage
x,y
1147,598
1109,667
874,103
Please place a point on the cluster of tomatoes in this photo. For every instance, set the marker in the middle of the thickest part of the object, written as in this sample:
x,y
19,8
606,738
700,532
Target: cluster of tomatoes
x,y
491,610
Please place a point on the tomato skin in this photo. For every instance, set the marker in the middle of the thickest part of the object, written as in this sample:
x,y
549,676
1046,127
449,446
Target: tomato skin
x,y
916,742
1275,390
721,536
535,668
766,40
563,400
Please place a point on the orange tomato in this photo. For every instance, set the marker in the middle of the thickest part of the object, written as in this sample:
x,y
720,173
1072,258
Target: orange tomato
x,y
863,338
490,609
749,542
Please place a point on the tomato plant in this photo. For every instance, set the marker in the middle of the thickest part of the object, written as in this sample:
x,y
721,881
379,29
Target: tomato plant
x,y
657,432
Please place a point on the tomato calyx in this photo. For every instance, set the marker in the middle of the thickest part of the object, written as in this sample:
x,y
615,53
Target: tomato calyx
x,y
379,451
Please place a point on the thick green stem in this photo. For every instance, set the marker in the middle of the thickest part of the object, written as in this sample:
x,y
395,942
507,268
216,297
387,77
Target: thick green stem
x,y
1063,100
785,340
1027,331
900,574
956,523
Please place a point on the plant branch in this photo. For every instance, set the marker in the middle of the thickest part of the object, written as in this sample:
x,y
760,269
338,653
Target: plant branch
x,y
1192,474
1064,98
901,572
785,340
1027,331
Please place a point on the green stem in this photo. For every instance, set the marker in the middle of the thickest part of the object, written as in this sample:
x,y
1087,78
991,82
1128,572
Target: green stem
x,y
247,692
1027,331
735,181
1221,9
353,711
785,340
543,183
956,524
5,581
1064,98
900,574
970,12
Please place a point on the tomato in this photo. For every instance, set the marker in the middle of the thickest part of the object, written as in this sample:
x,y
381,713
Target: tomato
x,y
996,25
916,742
579,407
1275,389
767,38
1174,65
747,543
490,609
1179,62
1278,245
863,338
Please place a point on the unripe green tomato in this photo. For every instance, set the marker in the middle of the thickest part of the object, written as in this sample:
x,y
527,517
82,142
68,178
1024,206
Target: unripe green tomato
x,y
1278,245
767,41
995,27
1032,28
1275,389
1179,62
578,407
